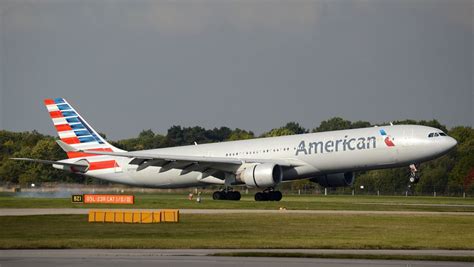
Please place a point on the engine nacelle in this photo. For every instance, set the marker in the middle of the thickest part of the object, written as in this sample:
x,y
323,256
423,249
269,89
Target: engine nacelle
x,y
335,179
261,175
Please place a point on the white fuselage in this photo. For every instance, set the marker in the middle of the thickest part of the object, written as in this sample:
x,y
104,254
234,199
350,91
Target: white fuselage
x,y
319,153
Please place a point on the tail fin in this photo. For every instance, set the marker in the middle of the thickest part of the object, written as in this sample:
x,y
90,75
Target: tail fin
x,y
74,130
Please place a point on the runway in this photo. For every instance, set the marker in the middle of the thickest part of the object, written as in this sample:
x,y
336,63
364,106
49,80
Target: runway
x,y
199,258
66,211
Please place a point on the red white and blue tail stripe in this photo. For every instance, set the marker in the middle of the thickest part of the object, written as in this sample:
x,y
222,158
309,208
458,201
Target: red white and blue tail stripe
x,y
75,131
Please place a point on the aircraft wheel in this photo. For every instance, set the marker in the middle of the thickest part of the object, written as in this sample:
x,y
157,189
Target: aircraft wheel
x,y
217,195
414,179
236,195
259,196
276,196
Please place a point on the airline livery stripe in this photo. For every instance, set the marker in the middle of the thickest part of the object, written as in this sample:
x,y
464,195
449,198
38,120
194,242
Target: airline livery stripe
x,y
71,141
52,108
87,139
63,127
82,133
49,102
77,126
66,134
73,120
64,107
56,114
100,165
68,113
72,155
58,100
87,146
57,121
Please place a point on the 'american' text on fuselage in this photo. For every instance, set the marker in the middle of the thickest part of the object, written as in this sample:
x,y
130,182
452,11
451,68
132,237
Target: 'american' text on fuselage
x,y
329,146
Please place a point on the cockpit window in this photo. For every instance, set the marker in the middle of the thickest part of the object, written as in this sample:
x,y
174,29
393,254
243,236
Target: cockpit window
x,y
436,134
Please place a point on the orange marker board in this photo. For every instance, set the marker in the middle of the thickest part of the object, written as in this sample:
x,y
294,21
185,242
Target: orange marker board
x,y
108,199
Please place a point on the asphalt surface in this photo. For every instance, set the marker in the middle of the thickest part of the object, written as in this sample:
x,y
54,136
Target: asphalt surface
x,y
28,212
193,258
204,252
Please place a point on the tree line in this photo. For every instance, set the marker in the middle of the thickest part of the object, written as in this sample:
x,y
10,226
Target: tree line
x,y
450,174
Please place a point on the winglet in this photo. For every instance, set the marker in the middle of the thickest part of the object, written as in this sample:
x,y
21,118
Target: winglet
x,y
66,147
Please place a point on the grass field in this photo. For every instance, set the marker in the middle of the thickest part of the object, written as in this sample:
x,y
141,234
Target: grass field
x,y
180,201
244,231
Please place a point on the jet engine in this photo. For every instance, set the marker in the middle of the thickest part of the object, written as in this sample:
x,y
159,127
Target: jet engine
x,y
335,179
261,175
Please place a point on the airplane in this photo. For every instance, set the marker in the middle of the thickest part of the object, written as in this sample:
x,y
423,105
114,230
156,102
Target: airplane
x,y
327,158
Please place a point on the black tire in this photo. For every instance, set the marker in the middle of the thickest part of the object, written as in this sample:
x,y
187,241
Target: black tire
x,y
217,195
259,196
277,195
236,196
270,195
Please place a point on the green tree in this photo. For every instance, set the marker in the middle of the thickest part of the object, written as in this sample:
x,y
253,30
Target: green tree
x,y
461,174
239,134
338,123
289,129
333,124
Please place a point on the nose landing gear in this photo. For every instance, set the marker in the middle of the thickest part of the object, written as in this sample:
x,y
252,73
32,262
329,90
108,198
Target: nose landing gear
x,y
414,177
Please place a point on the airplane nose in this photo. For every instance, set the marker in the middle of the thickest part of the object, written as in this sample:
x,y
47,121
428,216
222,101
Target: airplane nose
x,y
451,143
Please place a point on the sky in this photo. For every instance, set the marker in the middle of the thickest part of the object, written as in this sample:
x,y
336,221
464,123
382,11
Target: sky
x,y
133,65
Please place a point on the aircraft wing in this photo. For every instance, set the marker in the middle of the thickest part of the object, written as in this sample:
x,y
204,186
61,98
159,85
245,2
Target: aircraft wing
x,y
199,159
183,161
205,164
209,166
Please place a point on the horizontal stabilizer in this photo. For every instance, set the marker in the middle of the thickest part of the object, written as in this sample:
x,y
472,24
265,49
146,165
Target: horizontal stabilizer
x,y
76,167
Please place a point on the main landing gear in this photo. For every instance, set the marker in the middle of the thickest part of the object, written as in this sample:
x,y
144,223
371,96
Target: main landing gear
x,y
268,194
226,194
